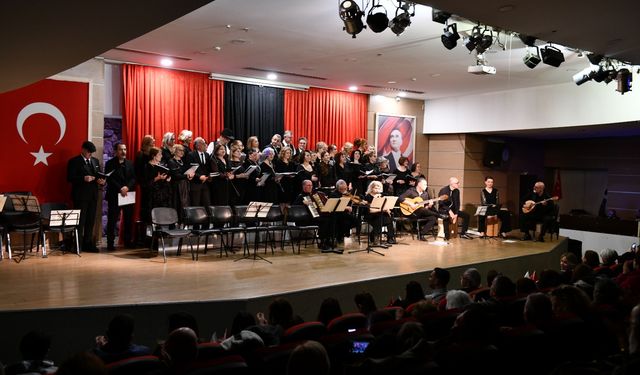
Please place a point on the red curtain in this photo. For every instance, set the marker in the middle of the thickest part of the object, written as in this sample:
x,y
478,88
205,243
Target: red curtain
x,y
325,115
159,100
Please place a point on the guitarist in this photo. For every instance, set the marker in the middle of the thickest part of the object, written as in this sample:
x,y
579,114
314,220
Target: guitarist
x,y
451,208
540,213
425,211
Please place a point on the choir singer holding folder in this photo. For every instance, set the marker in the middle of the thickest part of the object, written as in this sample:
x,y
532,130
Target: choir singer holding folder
x,y
121,182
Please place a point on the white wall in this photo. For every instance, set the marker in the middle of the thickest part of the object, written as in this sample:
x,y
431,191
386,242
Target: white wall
x,y
600,241
533,108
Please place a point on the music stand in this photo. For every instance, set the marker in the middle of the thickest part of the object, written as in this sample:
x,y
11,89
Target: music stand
x,y
486,211
256,210
25,203
62,221
378,205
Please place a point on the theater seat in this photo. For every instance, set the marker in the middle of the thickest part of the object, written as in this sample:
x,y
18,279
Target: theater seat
x,y
346,322
304,331
135,366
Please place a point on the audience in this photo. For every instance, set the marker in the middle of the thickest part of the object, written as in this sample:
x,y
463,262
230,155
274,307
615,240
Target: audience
x,y
438,280
309,358
34,348
117,343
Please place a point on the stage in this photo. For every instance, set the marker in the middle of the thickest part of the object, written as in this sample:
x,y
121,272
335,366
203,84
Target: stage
x,y
49,293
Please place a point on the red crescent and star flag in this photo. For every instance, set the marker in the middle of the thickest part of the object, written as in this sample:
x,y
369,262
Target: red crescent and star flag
x,y
42,126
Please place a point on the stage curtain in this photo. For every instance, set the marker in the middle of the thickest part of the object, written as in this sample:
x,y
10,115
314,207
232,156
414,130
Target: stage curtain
x,y
158,100
253,110
325,115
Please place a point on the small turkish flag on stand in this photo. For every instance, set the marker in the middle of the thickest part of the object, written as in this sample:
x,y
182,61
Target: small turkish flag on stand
x,y
557,186
43,126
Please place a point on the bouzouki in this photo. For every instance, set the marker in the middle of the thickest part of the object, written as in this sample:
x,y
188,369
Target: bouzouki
x,y
409,205
529,205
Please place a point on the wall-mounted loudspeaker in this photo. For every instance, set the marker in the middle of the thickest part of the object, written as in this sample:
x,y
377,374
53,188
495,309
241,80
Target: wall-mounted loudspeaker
x,y
493,153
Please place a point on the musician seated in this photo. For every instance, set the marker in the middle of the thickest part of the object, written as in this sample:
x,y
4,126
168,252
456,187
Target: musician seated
x,y
345,220
451,207
489,197
306,198
538,208
416,204
376,218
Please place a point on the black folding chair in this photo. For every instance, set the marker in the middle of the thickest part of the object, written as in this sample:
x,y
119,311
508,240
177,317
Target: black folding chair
x,y
164,221
303,223
224,219
25,223
198,219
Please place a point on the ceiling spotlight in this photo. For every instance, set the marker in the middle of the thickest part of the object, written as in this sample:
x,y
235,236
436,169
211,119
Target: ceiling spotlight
x,y
472,40
402,94
600,73
450,36
552,56
272,76
485,42
584,75
377,22
353,88
166,62
439,16
351,15
401,21
527,40
531,59
624,81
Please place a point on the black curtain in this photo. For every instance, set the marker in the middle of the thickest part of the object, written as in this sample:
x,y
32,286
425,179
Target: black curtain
x,y
253,110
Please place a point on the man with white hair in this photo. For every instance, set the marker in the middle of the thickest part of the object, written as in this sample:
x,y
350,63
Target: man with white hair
x,y
451,207
287,136
540,212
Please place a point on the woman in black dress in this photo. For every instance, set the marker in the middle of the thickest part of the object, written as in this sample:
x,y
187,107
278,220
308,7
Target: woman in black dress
x,y
489,197
327,172
284,164
269,188
221,189
343,171
179,180
156,181
306,171
378,219
403,175
236,160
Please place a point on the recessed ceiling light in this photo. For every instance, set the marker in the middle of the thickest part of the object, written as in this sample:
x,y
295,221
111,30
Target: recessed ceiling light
x,y
272,76
402,94
166,62
353,88
506,8
392,82
435,75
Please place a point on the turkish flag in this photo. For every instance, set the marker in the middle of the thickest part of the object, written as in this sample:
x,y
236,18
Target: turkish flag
x,y
557,185
42,126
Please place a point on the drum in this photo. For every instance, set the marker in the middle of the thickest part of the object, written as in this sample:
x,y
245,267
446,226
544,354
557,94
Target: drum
x,y
493,226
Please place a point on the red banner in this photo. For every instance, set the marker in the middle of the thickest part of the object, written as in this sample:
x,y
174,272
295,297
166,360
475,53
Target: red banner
x,y
42,126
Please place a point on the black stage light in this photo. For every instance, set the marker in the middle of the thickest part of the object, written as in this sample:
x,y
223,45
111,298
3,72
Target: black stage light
x,y
600,74
378,22
531,59
472,40
400,22
450,36
485,41
552,56
611,75
439,16
351,15
624,81
527,40
584,75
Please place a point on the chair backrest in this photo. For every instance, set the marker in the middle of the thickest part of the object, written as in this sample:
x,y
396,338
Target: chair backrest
x,y
220,214
346,322
304,331
135,365
195,215
274,214
164,216
299,214
46,208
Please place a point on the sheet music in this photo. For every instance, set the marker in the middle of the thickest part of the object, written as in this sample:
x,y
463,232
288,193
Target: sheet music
x,y
263,179
129,199
210,148
25,203
330,205
249,170
279,174
390,178
344,202
376,204
258,209
60,218
3,200
104,175
389,203
481,211
192,169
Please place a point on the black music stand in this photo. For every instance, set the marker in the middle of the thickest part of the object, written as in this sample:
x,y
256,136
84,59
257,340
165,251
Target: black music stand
x,y
379,204
256,210
332,206
486,211
62,221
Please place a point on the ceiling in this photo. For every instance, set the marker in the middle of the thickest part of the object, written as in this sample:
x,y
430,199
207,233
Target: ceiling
x,y
305,43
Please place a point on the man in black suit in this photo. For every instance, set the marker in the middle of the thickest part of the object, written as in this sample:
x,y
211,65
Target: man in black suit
x,y
121,181
82,173
451,207
200,195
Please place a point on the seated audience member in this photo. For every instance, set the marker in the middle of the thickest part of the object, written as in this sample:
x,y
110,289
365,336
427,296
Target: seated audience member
x,y
116,344
365,303
470,280
280,318
329,310
183,319
538,310
503,293
568,261
583,278
309,358
568,299
548,280
438,280
34,347
525,286
629,280
606,292
413,293
458,300
632,365
591,259
180,350
241,322
83,363
484,293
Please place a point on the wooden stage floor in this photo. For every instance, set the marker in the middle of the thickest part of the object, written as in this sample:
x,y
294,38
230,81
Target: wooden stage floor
x,y
134,277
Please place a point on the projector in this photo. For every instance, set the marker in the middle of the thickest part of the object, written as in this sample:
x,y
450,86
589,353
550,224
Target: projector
x,y
481,69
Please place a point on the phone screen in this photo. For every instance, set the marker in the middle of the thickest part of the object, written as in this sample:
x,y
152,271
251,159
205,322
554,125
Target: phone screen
x,y
358,347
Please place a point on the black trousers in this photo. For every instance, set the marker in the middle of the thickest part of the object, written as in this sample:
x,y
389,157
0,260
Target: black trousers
x,y
465,224
87,209
505,218
113,218
429,217
528,222
377,221
344,221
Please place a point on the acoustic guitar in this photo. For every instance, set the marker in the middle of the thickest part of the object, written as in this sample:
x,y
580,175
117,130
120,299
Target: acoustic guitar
x,y
409,205
529,205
